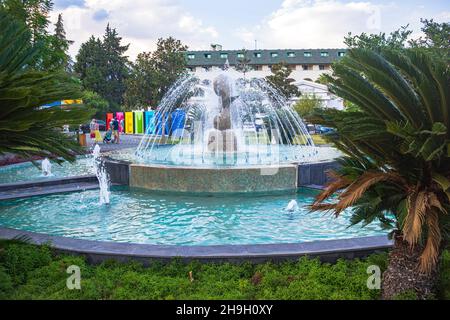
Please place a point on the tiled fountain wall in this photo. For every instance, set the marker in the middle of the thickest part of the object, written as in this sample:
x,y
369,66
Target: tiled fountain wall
x,y
209,180
215,181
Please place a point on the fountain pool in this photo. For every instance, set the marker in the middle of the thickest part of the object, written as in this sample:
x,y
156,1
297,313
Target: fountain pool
x,y
150,218
225,170
26,171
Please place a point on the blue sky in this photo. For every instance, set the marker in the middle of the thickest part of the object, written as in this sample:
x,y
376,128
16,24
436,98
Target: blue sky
x,y
238,23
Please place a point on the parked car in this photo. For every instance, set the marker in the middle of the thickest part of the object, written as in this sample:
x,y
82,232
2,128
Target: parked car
x,y
311,128
101,125
323,130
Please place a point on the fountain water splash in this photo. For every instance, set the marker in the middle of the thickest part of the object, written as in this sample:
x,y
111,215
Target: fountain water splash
x,y
292,206
102,176
46,167
225,120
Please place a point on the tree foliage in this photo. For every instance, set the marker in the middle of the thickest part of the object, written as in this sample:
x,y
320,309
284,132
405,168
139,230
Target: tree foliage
x,y
307,105
26,128
281,80
243,64
397,168
59,46
436,39
93,101
103,67
395,40
35,15
153,73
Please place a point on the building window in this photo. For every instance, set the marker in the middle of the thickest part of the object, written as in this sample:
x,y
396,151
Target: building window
x,y
274,54
224,55
240,55
191,56
207,69
322,67
324,54
258,68
257,54
307,54
208,55
291,54
305,67
341,54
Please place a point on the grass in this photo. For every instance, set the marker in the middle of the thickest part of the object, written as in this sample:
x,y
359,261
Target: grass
x,y
319,139
30,272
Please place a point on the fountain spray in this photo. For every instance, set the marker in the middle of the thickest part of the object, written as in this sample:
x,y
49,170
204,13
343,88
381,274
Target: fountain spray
x,y
46,167
102,176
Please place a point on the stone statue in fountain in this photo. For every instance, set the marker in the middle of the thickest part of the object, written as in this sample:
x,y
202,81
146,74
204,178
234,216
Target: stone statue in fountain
x,y
223,138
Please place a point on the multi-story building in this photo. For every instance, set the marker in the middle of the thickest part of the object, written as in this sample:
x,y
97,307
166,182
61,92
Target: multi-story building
x,y
306,64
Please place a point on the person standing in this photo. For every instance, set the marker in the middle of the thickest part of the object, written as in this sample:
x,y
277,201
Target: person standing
x,y
97,135
92,128
115,127
121,126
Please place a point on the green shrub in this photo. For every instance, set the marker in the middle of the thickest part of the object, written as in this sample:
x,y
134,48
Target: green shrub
x,y
20,259
30,272
6,285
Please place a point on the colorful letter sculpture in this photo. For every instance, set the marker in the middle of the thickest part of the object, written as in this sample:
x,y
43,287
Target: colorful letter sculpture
x,y
138,122
129,120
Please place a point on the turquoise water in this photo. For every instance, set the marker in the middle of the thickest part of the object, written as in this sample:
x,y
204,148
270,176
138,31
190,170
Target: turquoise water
x,y
143,217
28,172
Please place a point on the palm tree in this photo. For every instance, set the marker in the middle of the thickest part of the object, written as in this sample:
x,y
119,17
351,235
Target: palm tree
x,y
397,164
26,128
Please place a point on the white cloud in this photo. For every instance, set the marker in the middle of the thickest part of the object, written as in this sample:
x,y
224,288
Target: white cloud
x,y
295,24
319,23
140,23
325,23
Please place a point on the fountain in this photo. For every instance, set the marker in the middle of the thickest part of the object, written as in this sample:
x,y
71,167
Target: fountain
x,y
102,176
229,121
292,206
46,168
240,133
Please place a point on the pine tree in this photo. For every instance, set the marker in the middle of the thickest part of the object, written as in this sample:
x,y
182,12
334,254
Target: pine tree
x,y
90,65
103,68
59,45
117,67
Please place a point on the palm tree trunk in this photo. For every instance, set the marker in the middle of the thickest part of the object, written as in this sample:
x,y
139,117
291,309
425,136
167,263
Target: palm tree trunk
x,y
402,274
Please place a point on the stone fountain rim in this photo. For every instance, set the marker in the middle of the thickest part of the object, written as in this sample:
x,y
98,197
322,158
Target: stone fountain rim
x,y
100,251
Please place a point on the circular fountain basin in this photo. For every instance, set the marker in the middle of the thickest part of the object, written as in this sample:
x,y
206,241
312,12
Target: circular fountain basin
x,y
171,169
148,218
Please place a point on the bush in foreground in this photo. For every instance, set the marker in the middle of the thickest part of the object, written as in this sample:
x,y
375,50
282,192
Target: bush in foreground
x,y
30,272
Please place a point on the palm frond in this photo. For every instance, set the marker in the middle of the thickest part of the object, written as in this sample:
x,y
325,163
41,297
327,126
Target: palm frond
x,y
26,128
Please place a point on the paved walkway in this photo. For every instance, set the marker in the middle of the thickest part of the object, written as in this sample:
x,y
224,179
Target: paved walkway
x,y
126,142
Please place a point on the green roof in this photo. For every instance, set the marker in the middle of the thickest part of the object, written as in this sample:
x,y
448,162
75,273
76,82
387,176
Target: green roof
x,y
266,57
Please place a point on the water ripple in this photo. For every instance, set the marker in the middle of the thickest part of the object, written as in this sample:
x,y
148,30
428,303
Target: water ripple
x,y
141,217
